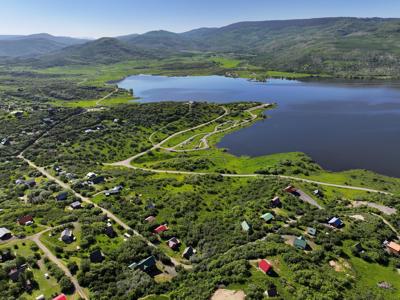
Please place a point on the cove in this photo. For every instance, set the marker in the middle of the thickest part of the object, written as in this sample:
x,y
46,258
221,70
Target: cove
x,y
341,124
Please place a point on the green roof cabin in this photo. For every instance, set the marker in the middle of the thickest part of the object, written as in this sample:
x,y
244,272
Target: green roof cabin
x,y
300,243
245,226
267,217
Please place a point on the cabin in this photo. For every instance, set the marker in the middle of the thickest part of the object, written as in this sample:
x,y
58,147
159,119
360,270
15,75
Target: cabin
x,y
145,265
311,231
96,256
114,191
161,229
271,292
5,234
97,180
14,273
30,183
67,236
276,202
245,226
6,255
264,266
358,248
109,231
267,217
336,222
25,220
318,193
62,196
60,297
150,219
300,243
91,175
173,243
188,252
290,189
76,205
393,248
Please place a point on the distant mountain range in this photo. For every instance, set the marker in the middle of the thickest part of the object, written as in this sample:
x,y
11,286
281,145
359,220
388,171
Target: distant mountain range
x,y
34,45
322,45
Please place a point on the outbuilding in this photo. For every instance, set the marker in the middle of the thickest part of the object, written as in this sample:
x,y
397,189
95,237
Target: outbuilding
x,y
5,234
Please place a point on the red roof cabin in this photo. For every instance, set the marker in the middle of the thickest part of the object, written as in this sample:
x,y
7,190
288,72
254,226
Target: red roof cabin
x,y
264,266
25,220
60,297
290,189
393,248
161,228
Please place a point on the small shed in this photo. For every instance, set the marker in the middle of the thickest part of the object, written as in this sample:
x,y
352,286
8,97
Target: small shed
x,y
245,226
267,217
173,243
188,252
276,202
335,222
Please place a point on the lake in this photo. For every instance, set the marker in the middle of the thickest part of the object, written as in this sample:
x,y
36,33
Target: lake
x,y
341,125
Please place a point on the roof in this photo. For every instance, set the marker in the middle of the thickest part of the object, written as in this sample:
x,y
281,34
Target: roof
x,y
276,199
173,242
264,266
62,195
144,264
189,251
25,219
4,231
267,217
150,219
300,242
394,246
60,297
335,221
75,204
311,230
245,226
161,228
66,232
96,256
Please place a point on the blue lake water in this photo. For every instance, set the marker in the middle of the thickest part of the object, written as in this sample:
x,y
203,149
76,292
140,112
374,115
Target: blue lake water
x,y
341,125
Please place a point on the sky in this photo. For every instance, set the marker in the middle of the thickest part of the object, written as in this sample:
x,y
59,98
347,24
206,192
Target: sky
x,y
98,18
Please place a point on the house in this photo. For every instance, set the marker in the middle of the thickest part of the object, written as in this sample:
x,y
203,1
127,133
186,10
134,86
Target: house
x,y
114,191
97,180
14,273
62,196
30,182
91,175
300,243
271,292
5,234
150,219
76,205
358,248
96,256
393,248
25,220
290,189
318,193
145,265
5,141
335,222
267,217
264,266
109,231
188,252
6,255
173,243
311,231
60,297
67,236
245,226
276,202
161,228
